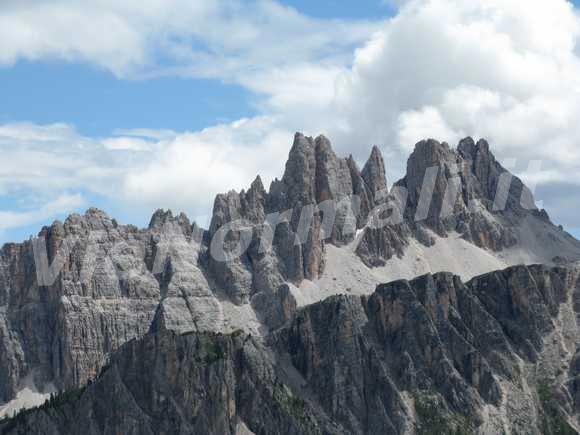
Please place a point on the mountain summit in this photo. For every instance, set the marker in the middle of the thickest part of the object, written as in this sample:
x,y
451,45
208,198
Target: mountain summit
x,y
88,296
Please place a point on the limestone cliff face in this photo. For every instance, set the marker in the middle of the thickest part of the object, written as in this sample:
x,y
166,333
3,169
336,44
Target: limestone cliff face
x,y
62,330
474,354
101,286
316,185
314,178
181,384
432,355
462,191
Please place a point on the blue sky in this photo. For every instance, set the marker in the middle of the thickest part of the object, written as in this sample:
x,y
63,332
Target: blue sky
x,y
98,103
344,8
86,100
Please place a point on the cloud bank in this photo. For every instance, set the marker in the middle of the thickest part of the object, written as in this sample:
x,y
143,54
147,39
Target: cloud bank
x,y
506,70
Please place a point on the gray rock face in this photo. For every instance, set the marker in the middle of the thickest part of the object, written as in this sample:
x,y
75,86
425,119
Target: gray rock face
x,y
464,191
374,174
314,175
63,330
327,179
380,244
181,384
102,286
469,194
432,354
475,354
316,185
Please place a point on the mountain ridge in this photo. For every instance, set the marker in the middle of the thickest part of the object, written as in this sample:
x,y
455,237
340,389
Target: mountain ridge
x,y
430,354
110,283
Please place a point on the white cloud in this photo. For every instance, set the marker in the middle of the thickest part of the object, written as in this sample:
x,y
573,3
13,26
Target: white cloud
x,y
208,38
425,123
52,158
181,171
507,70
127,143
188,170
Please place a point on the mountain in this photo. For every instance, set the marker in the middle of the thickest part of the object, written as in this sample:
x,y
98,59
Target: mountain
x,y
427,356
87,291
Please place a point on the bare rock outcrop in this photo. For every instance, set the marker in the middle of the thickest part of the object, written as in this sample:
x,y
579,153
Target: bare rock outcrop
x,y
447,191
430,355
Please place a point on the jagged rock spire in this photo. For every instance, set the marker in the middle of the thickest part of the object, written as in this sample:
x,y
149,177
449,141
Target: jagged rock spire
x,y
299,175
163,218
160,217
467,147
428,168
373,172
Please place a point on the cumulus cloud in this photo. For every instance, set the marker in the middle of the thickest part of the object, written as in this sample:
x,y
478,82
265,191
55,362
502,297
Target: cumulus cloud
x,y
181,171
506,70
188,169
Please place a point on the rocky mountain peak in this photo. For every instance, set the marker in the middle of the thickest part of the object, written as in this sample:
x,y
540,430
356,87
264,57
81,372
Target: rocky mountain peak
x,y
373,172
483,147
160,217
96,213
491,182
322,145
467,147
165,218
258,186
428,153
481,177
254,201
298,180
428,168
313,174
226,209
93,220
